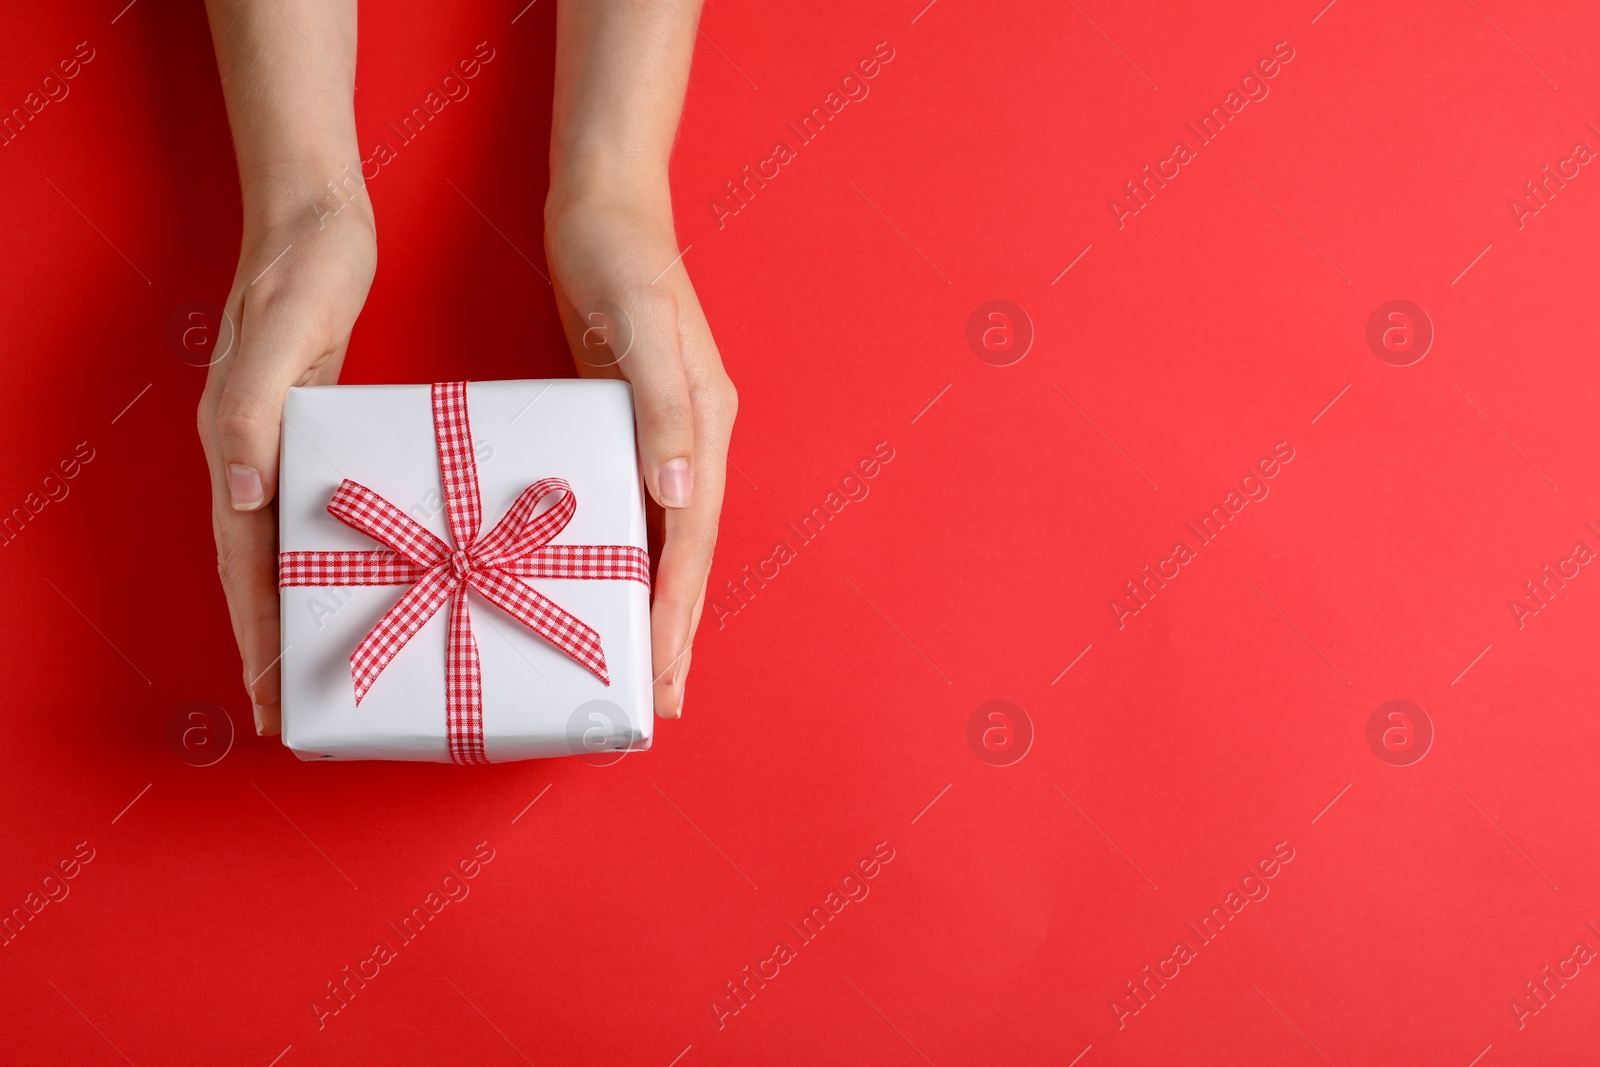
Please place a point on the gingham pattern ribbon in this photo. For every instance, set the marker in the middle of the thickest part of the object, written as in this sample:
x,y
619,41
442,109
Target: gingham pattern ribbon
x,y
518,547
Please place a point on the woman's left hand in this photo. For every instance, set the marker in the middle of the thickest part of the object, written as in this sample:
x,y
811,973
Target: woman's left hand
x,y
630,311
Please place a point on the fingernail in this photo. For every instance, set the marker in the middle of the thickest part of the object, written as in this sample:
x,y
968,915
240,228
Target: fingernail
x,y
244,487
245,677
676,483
260,728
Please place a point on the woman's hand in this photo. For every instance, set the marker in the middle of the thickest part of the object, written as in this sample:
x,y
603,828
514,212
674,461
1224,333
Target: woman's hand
x,y
300,283
631,312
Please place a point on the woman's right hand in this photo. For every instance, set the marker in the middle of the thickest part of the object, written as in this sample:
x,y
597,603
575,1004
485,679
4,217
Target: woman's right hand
x,y
303,275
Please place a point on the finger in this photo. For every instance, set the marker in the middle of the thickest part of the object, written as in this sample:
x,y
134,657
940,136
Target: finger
x,y
680,577
268,719
688,655
247,565
661,400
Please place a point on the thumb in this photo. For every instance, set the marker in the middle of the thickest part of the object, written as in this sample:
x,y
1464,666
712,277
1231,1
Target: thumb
x,y
661,399
275,352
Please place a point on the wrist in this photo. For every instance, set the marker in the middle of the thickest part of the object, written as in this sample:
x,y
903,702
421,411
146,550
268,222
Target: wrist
x,y
635,183
312,188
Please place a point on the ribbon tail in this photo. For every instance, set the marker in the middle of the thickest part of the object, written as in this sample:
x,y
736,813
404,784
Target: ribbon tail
x,y
366,512
463,686
569,634
397,627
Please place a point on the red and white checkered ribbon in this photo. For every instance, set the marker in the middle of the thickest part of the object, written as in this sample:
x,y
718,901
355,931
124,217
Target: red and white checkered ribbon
x,y
518,547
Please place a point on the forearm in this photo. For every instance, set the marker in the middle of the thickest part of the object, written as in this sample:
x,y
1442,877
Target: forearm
x,y
622,67
287,69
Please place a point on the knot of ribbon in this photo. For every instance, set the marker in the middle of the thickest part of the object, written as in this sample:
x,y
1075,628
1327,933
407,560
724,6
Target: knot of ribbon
x,y
518,547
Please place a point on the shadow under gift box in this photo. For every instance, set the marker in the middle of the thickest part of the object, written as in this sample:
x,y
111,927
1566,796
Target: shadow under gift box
x,y
537,701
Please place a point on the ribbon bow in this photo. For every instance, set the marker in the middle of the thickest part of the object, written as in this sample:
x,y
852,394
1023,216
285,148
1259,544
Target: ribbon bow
x,y
518,547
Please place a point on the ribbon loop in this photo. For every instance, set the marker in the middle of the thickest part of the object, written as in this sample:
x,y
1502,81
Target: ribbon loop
x,y
521,531
366,512
518,547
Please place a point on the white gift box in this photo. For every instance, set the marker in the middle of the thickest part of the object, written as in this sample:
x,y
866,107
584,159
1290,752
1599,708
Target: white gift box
x,y
537,701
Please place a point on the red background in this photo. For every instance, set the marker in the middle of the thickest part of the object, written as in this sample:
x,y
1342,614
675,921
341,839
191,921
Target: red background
x,y
827,714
